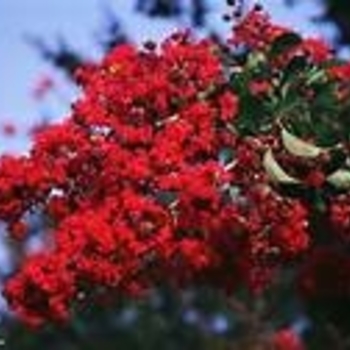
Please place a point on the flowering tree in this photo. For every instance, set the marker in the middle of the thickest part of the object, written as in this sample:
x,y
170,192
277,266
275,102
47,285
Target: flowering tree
x,y
195,165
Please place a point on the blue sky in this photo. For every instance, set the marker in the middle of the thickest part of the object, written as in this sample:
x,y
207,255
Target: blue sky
x,y
78,21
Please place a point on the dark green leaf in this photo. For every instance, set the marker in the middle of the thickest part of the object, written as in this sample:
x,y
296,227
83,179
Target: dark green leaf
x,y
283,43
296,65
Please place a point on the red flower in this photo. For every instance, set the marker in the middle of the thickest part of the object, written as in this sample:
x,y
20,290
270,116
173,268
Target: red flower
x,y
18,230
228,106
256,31
318,50
287,339
259,87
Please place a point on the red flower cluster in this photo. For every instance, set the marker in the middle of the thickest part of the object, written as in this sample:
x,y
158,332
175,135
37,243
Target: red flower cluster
x,y
287,339
256,32
150,180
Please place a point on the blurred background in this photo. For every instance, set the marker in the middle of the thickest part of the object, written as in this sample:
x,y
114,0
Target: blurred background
x,y
41,43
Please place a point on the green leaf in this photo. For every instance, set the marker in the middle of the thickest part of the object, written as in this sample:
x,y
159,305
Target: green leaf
x,y
340,179
295,65
299,147
283,43
275,172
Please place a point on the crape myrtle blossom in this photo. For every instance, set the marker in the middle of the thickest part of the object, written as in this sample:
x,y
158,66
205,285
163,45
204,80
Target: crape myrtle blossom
x,y
162,172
